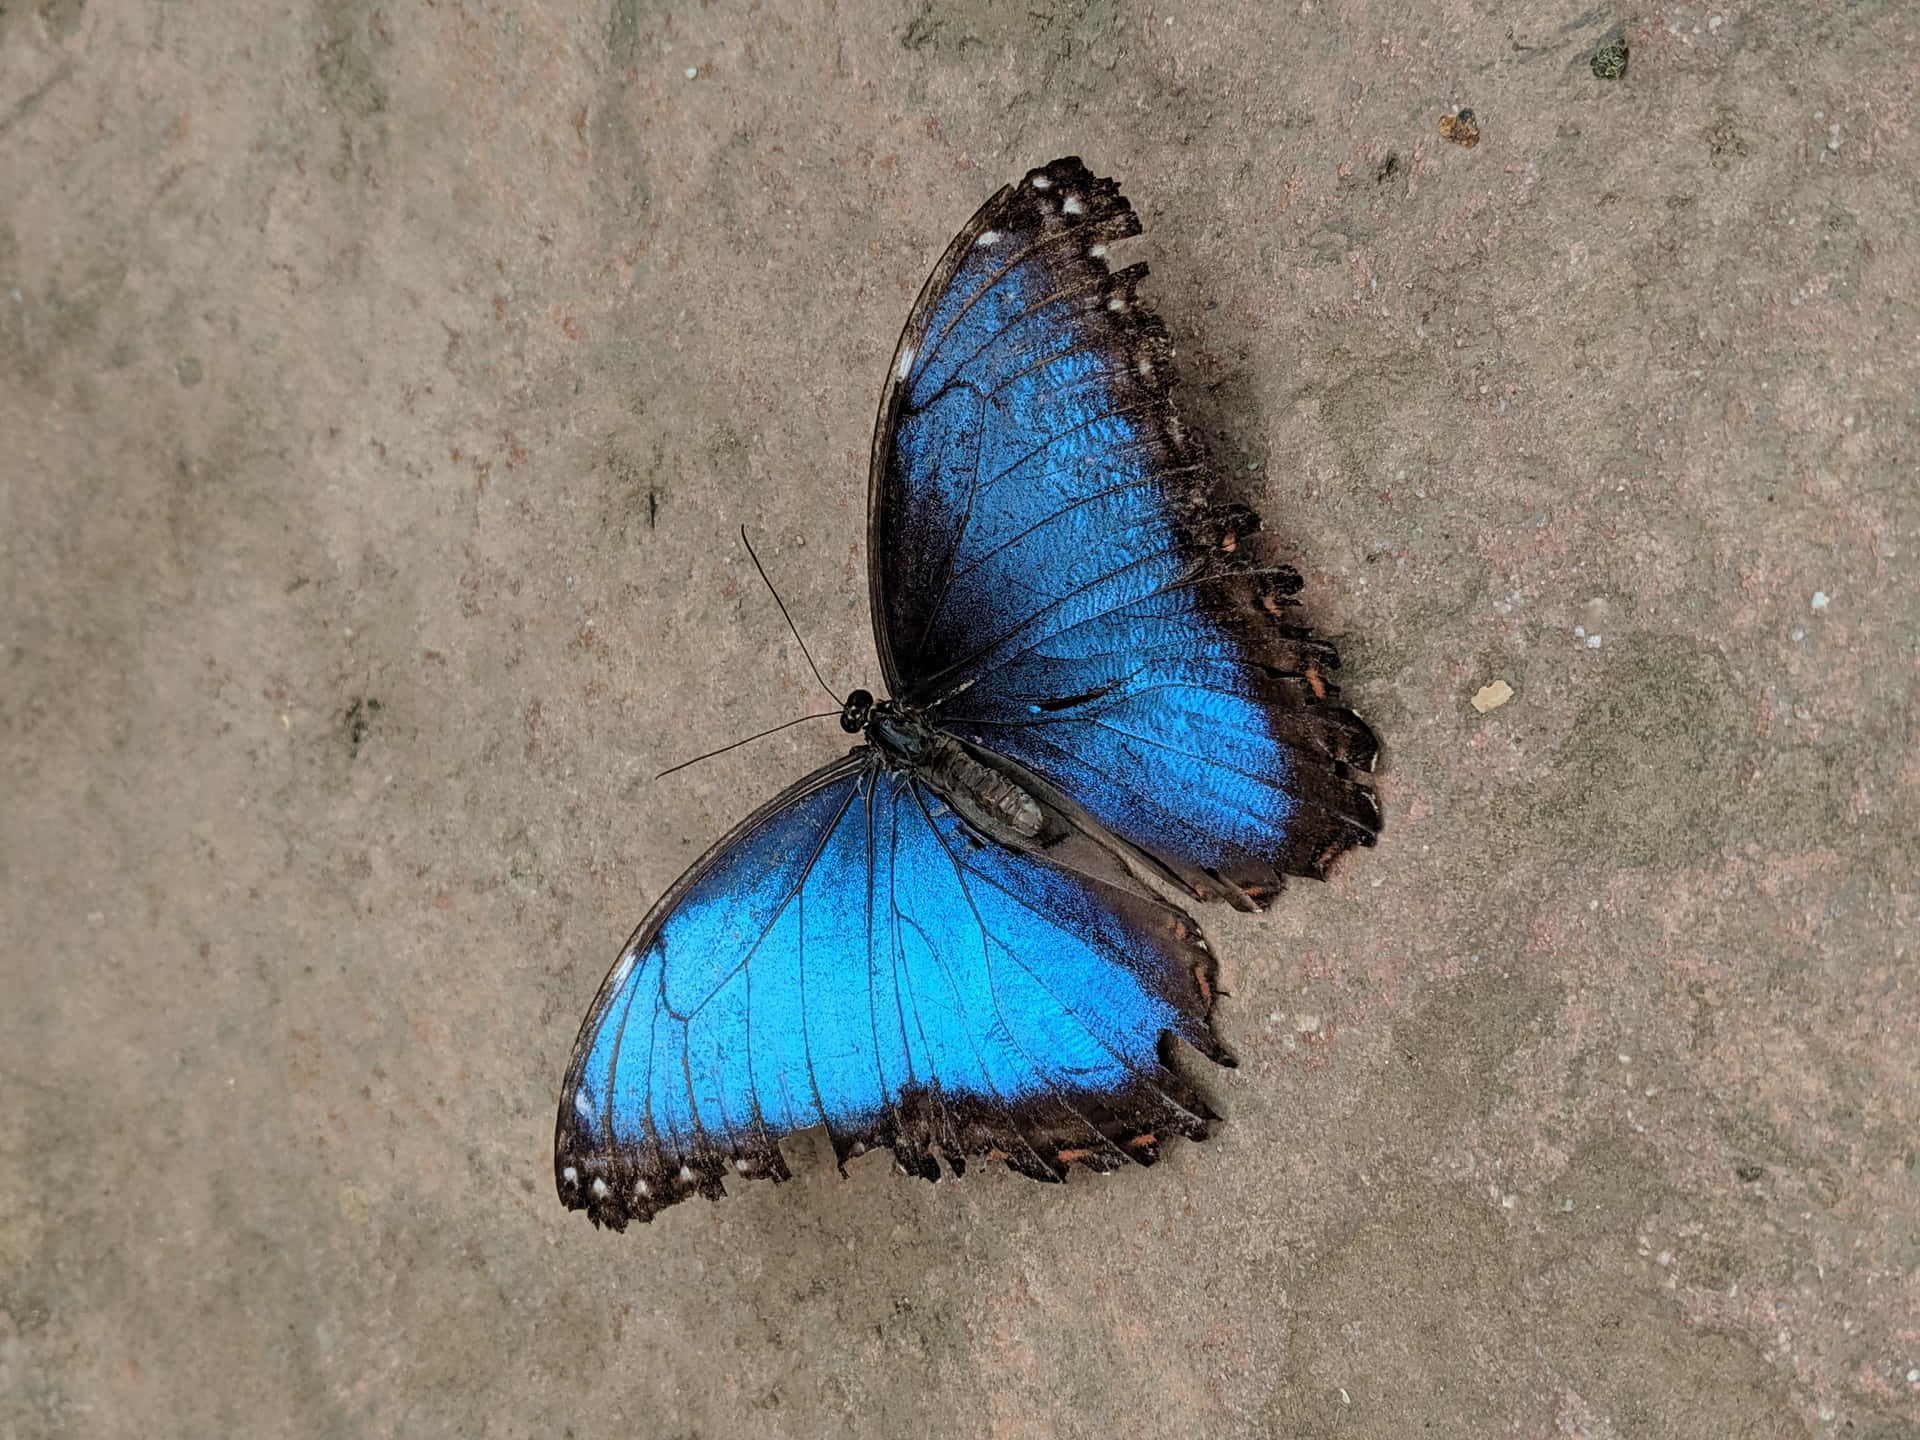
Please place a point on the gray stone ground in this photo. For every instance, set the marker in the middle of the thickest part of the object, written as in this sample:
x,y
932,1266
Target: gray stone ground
x,y
381,391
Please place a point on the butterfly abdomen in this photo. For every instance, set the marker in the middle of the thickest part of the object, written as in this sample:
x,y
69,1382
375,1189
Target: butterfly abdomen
x,y
980,792
989,800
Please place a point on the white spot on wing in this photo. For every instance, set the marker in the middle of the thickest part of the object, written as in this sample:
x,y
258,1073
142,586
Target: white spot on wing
x,y
905,367
988,237
640,1187
1097,251
581,1102
686,1175
1117,303
623,969
599,1188
570,1175
1041,182
1072,205
742,1166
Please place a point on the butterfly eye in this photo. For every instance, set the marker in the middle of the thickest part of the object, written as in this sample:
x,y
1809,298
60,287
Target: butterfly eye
x,y
854,714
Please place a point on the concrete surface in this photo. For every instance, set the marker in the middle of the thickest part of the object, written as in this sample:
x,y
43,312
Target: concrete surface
x,y
381,390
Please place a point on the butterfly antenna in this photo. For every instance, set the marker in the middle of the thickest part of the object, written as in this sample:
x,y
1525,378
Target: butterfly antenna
x,y
783,725
784,616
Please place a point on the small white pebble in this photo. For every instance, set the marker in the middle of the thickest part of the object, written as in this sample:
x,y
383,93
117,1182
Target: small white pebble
x,y
1834,144
1820,598
1579,632
1491,696
1714,22
692,72
1665,1257
1913,1376
1566,1206
1593,642
1506,1202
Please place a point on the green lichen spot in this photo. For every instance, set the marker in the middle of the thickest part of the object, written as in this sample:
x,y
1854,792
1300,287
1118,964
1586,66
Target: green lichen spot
x,y
1610,60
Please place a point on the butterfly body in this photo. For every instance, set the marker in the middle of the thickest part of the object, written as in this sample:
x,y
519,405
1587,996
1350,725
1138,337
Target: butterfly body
x,y
993,802
950,942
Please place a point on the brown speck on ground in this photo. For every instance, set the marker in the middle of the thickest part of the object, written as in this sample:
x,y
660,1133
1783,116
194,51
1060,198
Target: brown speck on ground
x,y
388,320
1462,128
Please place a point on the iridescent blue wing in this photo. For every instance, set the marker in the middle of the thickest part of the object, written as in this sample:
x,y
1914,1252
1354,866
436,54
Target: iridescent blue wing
x,y
1054,581
854,955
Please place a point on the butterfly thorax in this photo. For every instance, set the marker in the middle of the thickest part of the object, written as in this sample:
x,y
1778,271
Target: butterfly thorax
x,y
986,798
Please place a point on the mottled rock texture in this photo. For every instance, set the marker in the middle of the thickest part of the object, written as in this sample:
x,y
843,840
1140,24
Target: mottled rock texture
x,y
382,389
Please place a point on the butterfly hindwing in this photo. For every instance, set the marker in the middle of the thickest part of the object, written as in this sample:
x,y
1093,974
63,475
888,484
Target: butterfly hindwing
x,y
1054,580
855,955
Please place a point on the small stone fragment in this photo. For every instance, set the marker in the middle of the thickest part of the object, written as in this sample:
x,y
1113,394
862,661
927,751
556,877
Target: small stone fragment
x,y
1610,60
1461,128
1492,697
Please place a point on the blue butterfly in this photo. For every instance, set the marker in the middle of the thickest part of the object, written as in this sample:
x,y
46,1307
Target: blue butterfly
x,y
944,943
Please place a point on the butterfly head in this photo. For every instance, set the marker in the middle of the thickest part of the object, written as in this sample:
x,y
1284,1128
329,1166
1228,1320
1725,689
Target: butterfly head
x,y
900,732
855,713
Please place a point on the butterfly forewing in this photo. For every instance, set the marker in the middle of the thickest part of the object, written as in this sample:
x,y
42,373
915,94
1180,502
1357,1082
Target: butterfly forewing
x,y
1057,582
